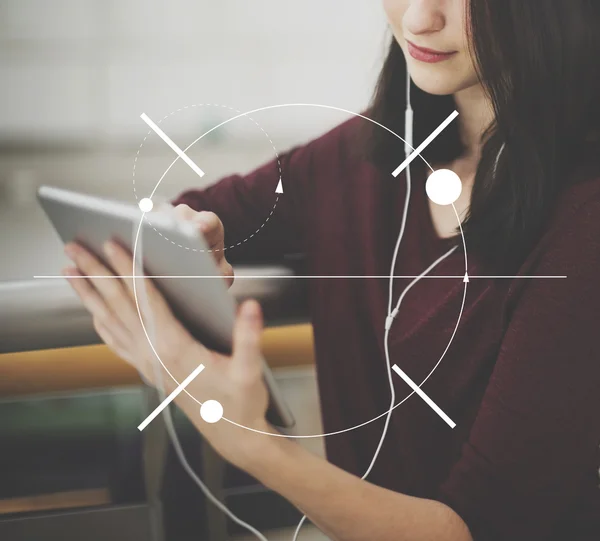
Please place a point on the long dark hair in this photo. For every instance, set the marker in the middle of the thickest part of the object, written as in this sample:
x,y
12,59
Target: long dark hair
x,y
538,63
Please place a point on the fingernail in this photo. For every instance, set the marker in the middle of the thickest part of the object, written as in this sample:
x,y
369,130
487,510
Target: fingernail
x,y
70,271
251,309
109,248
202,222
70,250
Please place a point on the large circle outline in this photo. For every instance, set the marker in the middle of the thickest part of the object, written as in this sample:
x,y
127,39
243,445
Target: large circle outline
x,y
304,436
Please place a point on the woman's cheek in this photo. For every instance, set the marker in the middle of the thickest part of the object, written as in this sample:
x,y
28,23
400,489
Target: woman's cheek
x,y
395,10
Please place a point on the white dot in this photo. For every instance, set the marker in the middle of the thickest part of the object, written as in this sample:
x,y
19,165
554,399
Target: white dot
x,y
146,204
443,187
211,411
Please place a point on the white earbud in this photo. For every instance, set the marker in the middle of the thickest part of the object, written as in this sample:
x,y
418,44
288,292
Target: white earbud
x,y
408,119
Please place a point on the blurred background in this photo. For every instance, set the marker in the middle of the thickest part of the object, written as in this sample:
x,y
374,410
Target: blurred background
x,y
76,75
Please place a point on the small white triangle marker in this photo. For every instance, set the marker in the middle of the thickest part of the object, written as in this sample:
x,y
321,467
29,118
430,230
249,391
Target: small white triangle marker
x,y
279,188
466,278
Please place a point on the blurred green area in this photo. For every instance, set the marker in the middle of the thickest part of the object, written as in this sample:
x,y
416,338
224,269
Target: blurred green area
x,y
74,441
59,415
94,413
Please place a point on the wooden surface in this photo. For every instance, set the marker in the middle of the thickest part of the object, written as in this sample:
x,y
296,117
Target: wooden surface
x,y
97,367
59,500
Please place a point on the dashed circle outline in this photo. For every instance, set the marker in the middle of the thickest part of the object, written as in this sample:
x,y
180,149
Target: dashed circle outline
x,y
163,175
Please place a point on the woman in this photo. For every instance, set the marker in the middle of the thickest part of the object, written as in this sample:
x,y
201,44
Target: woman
x,y
521,378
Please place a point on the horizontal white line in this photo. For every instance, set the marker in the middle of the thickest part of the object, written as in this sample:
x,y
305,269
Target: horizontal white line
x,y
170,142
290,276
171,397
422,146
422,394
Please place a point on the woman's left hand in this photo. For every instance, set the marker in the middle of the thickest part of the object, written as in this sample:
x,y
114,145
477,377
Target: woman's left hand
x,y
235,381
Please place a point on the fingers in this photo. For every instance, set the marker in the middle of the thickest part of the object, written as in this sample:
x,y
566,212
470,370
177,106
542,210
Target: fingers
x,y
209,225
108,337
247,356
95,304
169,331
185,212
214,233
226,271
111,289
121,261
212,228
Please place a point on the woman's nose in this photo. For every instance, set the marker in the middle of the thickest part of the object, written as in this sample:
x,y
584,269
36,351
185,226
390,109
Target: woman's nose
x,y
424,17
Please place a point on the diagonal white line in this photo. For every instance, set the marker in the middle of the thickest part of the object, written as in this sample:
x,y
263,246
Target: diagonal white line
x,y
171,397
169,142
420,148
422,394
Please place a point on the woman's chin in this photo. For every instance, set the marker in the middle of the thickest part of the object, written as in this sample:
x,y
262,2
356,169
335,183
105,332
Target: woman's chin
x,y
439,79
433,82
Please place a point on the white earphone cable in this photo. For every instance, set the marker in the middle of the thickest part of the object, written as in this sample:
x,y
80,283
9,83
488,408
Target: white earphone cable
x,y
392,313
151,330
408,149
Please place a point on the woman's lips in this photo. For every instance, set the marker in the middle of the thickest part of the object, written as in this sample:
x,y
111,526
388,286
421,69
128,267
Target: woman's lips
x,y
427,55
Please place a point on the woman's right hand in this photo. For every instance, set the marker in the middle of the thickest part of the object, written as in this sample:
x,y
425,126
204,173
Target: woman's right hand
x,y
212,228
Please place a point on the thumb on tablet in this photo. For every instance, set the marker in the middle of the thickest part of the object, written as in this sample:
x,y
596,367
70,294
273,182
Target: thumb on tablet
x,y
208,223
211,226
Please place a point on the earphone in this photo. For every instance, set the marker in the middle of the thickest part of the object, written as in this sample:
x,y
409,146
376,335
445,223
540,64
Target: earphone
x,y
146,312
391,315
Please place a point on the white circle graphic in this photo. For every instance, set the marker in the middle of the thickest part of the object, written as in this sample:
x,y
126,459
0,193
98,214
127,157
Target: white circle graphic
x,y
146,204
443,187
211,411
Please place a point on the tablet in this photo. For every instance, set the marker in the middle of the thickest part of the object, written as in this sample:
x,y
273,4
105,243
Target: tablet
x,y
170,248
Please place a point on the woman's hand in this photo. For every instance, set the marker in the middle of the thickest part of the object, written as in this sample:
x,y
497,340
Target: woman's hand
x,y
212,228
235,381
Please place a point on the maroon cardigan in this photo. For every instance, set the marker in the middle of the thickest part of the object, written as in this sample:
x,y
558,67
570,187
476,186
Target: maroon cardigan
x,y
521,378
